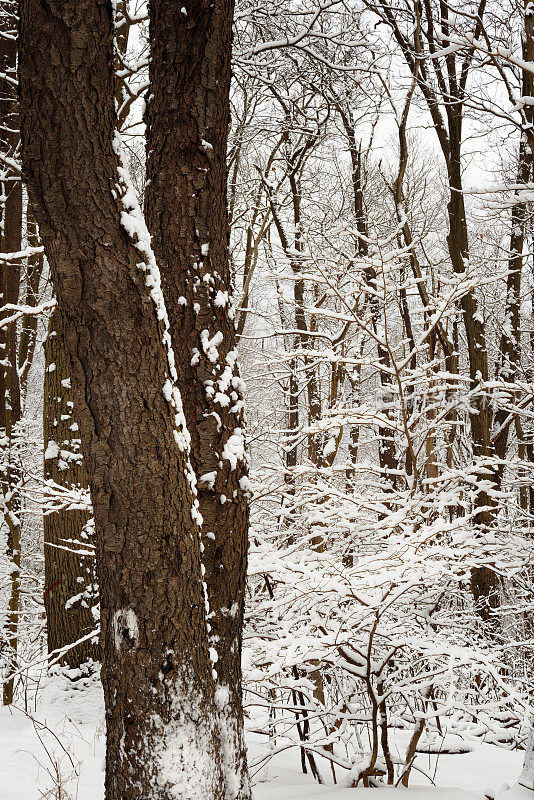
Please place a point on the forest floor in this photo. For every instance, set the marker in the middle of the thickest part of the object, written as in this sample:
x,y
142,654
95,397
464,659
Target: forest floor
x,y
60,740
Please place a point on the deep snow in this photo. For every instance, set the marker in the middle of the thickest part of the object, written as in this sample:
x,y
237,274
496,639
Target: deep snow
x,y
69,724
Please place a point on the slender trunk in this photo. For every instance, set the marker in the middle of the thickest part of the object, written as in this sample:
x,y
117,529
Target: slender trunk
x,y
162,734
10,400
70,580
387,451
28,328
526,778
510,342
292,416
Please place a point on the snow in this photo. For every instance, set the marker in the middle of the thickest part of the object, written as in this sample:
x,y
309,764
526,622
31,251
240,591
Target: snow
x,y
52,450
133,222
125,628
221,299
210,345
234,449
75,717
207,481
178,745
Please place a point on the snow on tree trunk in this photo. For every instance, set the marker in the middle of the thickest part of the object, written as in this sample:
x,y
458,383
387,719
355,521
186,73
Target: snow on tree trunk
x,y
188,117
163,739
10,410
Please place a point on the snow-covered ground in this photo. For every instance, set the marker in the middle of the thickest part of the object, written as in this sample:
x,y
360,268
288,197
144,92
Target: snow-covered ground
x,y
65,736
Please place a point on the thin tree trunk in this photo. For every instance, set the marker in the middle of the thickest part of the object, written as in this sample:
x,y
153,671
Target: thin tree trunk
x,y
387,451
527,776
28,328
162,734
70,579
292,417
10,410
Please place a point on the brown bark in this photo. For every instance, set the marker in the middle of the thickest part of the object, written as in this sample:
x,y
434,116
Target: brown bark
x,y
68,572
186,208
10,409
156,672
70,579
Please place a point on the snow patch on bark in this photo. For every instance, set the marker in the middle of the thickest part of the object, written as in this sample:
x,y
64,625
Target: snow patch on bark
x,y
125,628
234,449
232,749
183,751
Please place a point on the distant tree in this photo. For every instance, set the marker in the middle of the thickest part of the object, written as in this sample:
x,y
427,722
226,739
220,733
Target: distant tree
x,y
70,580
70,584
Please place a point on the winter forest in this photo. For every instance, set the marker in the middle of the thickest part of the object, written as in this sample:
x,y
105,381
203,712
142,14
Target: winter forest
x,y
266,399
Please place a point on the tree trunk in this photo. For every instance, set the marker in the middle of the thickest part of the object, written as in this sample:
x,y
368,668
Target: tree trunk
x,y
10,409
162,735
28,328
188,118
70,578
292,421
387,450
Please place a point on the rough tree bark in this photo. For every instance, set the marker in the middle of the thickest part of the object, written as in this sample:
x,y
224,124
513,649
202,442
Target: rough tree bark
x,y
162,734
188,118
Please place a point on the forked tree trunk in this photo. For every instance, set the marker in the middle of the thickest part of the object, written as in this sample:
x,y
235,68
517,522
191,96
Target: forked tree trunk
x,y
162,734
70,577
188,118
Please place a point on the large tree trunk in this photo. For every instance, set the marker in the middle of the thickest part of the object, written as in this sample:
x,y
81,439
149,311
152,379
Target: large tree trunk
x,y
69,567
162,735
188,117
